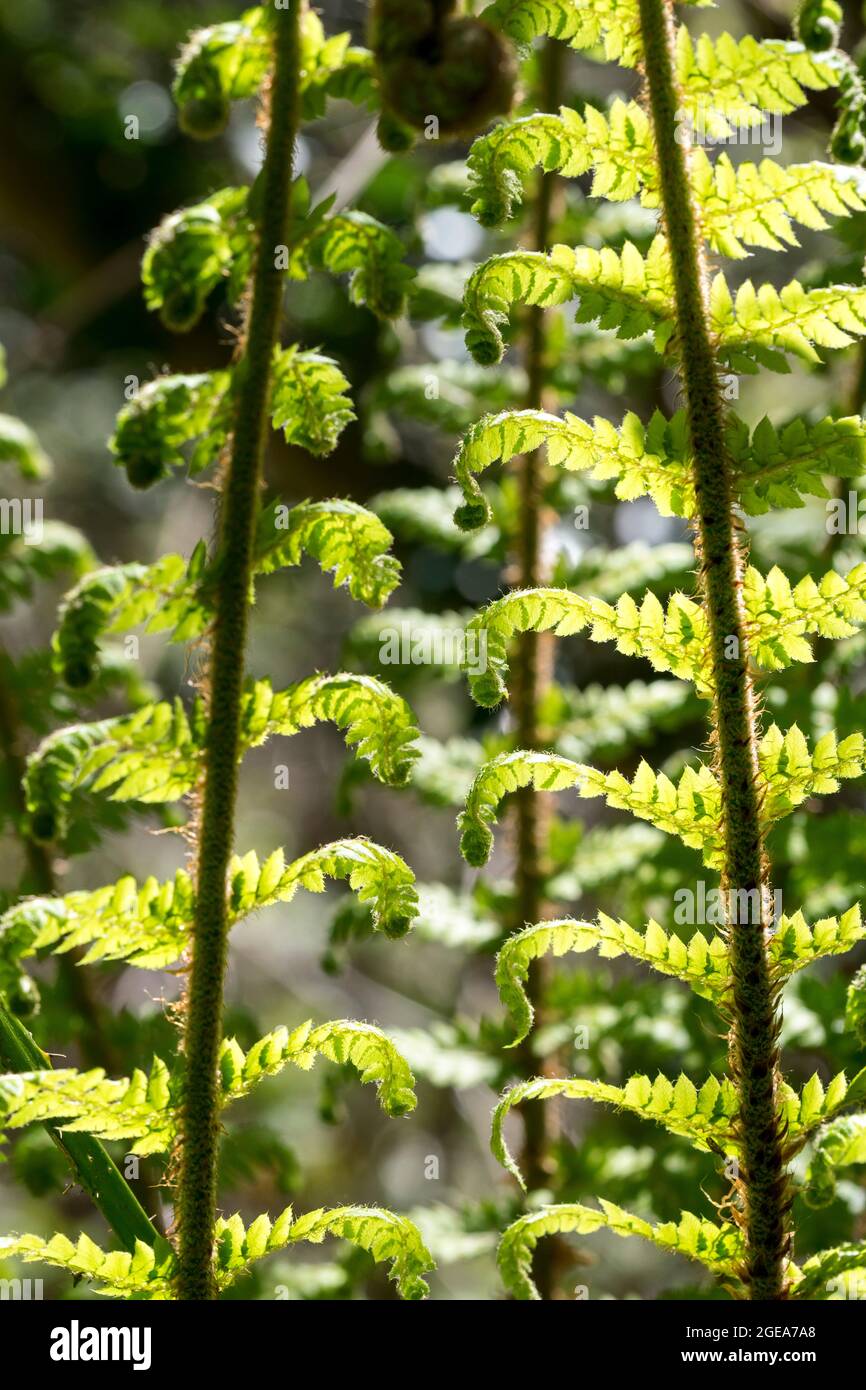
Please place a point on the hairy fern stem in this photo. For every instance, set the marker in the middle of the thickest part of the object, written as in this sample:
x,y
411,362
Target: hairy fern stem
x,y
533,671
754,1014
199,1130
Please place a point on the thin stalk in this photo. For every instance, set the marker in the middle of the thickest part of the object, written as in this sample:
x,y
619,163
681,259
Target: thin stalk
x,y
93,1168
754,1015
199,1134
532,672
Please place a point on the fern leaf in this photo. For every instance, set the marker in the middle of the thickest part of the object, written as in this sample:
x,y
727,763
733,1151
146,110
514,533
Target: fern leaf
x,y
145,1107
727,81
763,325
194,250
617,145
621,290
613,23
219,64
370,1051
162,596
828,1267
156,430
651,460
342,536
149,925
781,616
795,944
309,400
370,714
755,204
700,962
496,779
371,253
145,1273
705,1117
837,1145
804,1111
719,1248
776,467
382,1234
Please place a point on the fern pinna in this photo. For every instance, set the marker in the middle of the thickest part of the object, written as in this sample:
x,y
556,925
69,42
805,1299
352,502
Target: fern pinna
x,y
248,240
705,465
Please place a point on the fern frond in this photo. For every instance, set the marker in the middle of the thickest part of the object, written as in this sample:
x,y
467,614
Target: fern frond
x,y
157,429
755,204
727,81
616,144
776,467
780,616
149,756
194,250
370,253
368,712
145,1273
700,962
163,596
763,325
365,1047
829,1266
384,1235
496,779
794,944
342,536
613,23
804,1111
217,65
621,290
149,925
705,1117
649,459
840,1143
149,1272
146,1108
309,400
62,550
718,1248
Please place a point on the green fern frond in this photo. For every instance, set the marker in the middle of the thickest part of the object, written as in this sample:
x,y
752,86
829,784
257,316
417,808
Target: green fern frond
x,y
804,1111
616,144
194,250
841,1143
145,1273
613,23
644,459
370,253
755,204
702,963
146,1107
705,1117
309,400
157,429
371,716
62,550
148,1273
831,1267
781,615
763,325
727,81
718,1248
342,536
162,596
621,290
149,925
382,1234
496,779
217,65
